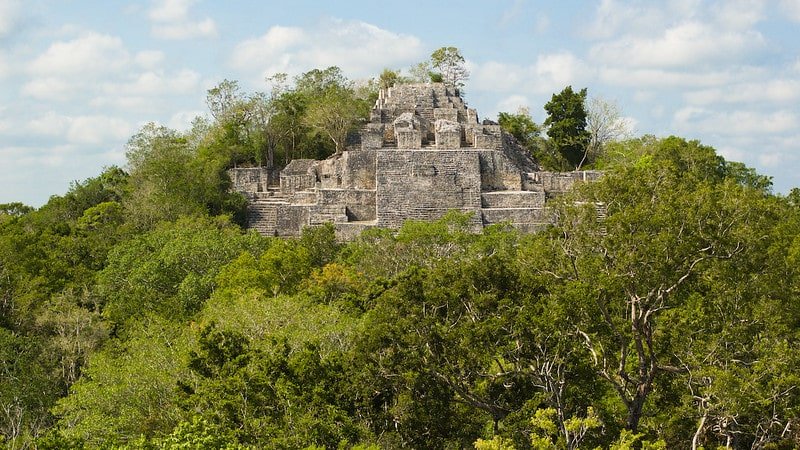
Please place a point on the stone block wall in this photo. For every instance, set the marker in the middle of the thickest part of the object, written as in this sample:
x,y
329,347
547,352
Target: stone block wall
x,y
350,169
408,138
498,173
372,136
487,136
424,153
450,114
359,204
513,199
425,184
448,134
558,182
360,169
291,183
252,179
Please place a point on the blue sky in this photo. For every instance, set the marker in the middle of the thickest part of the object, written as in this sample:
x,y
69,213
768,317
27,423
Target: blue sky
x,y
78,78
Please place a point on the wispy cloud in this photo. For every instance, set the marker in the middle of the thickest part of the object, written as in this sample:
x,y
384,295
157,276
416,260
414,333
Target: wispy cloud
x,y
10,14
550,73
171,19
792,9
359,48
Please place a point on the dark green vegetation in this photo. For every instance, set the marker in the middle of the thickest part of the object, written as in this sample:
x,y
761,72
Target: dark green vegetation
x,y
135,313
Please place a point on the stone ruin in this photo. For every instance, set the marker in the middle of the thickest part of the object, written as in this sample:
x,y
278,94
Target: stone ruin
x,y
423,153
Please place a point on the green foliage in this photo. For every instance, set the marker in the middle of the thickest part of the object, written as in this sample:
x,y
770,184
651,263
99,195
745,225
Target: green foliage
x,y
170,270
14,209
450,66
658,312
566,125
170,177
198,434
528,134
496,443
388,78
128,389
335,113
521,126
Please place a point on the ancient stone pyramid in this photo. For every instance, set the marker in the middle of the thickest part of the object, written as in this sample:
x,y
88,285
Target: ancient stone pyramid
x,y
422,154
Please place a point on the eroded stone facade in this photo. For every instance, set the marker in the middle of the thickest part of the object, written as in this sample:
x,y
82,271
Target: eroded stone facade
x,y
422,154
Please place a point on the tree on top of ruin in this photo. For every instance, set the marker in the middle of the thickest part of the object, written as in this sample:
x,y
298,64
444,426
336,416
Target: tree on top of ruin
x,y
450,65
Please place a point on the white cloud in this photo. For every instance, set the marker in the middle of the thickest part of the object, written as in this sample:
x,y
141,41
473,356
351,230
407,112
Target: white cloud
x,y
792,9
614,16
771,159
170,10
487,76
274,44
50,124
358,48
5,66
186,30
149,59
148,91
695,119
96,130
87,55
550,73
99,71
80,130
158,83
660,79
170,20
10,13
542,24
738,14
688,44
511,14
182,120
48,88
732,153
560,69
770,91
513,103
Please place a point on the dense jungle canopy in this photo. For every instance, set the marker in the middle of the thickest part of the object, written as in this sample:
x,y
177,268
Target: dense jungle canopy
x,y
136,313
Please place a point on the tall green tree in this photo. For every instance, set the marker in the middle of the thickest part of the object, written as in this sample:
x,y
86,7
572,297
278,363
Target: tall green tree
x,y
669,219
333,108
170,177
449,62
566,125
335,114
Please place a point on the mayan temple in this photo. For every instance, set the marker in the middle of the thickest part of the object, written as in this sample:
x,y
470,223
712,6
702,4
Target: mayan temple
x,y
423,153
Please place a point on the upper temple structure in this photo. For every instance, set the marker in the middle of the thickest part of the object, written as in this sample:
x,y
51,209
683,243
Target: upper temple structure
x,y
422,154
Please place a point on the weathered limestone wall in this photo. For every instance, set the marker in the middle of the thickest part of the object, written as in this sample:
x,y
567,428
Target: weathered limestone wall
x,y
513,199
425,184
359,204
351,169
252,179
498,173
555,183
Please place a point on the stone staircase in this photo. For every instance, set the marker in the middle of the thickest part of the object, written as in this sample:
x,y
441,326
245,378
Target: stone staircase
x,y
262,210
523,209
263,217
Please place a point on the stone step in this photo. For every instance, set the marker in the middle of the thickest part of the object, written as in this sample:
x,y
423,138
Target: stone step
x,y
513,199
263,217
324,214
515,215
268,197
304,198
